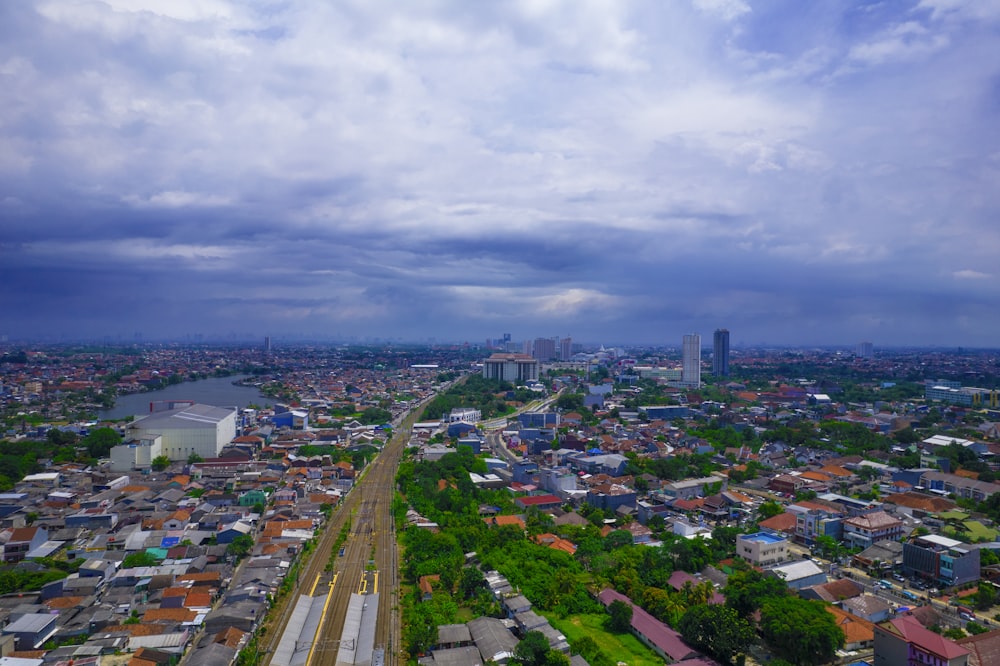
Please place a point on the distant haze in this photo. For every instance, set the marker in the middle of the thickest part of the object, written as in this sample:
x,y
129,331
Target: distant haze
x,y
796,172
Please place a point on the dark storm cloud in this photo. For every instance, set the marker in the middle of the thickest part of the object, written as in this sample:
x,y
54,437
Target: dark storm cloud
x,y
796,172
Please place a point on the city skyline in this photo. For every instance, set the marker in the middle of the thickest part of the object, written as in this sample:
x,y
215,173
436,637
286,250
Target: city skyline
x,y
800,174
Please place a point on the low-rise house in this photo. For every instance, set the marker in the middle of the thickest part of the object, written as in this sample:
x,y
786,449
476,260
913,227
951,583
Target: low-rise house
x,y
859,633
880,556
762,548
799,574
868,607
495,642
904,640
31,630
662,639
864,530
17,542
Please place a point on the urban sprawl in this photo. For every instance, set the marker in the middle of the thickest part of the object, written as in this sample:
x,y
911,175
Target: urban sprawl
x,y
540,502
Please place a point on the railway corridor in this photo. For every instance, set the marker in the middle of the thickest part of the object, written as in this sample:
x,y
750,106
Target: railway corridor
x,y
349,614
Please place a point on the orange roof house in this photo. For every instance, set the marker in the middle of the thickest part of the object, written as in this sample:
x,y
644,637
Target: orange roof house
x,y
500,521
169,615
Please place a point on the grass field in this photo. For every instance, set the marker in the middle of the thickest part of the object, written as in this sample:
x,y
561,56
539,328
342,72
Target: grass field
x,y
619,647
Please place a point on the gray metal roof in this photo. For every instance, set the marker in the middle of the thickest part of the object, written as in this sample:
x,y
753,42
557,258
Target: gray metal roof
x,y
195,416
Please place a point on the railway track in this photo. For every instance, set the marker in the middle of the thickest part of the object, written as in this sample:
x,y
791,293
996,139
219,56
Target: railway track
x,y
369,565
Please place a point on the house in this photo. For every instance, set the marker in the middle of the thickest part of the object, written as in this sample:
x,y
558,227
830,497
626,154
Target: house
x,y
662,639
762,548
227,534
864,530
868,607
31,630
859,633
17,542
426,585
880,556
905,641
799,574
984,649
495,642
541,502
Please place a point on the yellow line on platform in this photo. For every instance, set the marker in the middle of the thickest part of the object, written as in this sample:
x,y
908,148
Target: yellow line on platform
x,y
376,582
326,606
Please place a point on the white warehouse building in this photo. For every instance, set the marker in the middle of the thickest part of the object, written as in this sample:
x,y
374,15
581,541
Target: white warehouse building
x,y
180,432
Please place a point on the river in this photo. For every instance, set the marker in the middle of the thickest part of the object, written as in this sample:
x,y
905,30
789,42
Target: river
x,y
216,391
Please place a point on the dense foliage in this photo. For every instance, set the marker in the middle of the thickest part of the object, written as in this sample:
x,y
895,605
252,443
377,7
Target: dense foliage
x,y
489,396
717,630
800,630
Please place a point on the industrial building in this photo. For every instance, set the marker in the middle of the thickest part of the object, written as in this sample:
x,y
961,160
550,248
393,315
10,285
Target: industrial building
x,y
175,430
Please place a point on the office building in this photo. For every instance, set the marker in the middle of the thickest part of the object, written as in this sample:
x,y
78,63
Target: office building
x,y
720,353
940,559
514,368
565,349
267,344
865,350
691,355
544,349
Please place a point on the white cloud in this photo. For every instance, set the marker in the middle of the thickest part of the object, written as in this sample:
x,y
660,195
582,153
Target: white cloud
x,y
725,9
904,42
175,199
968,274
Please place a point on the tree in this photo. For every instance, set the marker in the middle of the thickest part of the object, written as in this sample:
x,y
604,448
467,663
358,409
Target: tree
x,y
975,628
160,463
829,547
100,441
717,630
800,630
619,616
241,546
747,590
195,458
570,402
617,539
770,509
985,596
139,559
471,582
532,648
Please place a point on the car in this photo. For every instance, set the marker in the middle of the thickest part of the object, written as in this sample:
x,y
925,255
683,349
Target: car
x,y
899,577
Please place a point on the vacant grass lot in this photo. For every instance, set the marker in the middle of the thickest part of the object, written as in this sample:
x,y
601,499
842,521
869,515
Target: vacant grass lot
x,y
618,647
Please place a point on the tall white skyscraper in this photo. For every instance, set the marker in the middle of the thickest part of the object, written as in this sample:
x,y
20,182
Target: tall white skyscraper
x,y
691,354
865,350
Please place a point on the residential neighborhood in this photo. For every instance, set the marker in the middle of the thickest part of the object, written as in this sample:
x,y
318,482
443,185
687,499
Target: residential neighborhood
x,y
175,542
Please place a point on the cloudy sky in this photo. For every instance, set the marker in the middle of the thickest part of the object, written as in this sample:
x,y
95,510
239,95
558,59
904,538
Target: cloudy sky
x,y
797,172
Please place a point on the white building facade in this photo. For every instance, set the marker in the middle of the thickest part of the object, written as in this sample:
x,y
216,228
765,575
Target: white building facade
x,y
691,355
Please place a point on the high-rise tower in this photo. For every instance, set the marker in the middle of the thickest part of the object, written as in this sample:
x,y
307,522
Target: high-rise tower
x,y
691,354
720,353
